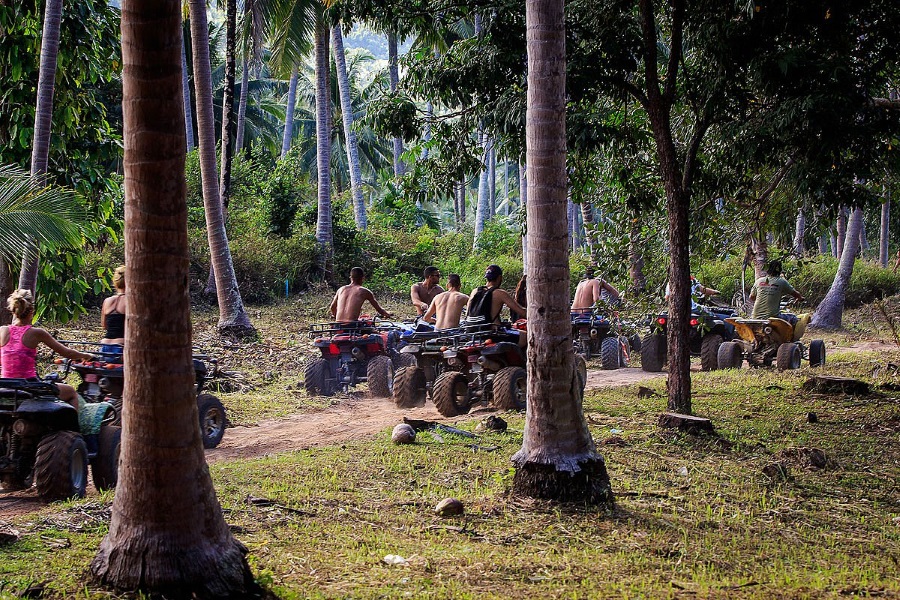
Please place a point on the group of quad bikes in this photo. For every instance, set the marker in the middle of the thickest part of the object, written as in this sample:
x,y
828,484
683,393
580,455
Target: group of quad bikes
x,y
46,442
412,363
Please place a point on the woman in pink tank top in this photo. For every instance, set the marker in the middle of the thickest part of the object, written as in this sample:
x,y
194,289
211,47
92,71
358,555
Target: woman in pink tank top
x,y
19,342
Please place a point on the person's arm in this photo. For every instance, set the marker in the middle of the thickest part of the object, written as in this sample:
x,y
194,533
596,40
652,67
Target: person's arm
x,y
708,291
46,338
511,303
371,298
788,290
334,306
429,316
103,312
609,288
416,299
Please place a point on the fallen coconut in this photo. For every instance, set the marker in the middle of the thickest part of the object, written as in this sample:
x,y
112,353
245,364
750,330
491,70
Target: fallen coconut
x,y
403,434
449,507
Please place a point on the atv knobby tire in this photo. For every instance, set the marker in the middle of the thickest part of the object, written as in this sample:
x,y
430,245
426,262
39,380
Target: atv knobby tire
x,y
212,420
508,388
404,359
816,353
409,387
61,466
709,352
105,466
788,357
610,353
653,353
729,356
581,371
450,394
380,375
315,378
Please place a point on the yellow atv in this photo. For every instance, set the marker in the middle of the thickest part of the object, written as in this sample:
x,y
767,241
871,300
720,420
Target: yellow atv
x,y
763,341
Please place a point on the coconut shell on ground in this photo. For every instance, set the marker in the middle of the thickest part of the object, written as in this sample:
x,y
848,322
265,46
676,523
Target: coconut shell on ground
x,y
403,434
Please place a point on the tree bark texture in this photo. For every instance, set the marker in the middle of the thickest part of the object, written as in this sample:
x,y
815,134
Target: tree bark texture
x,y
492,180
523,205
558,459
587,221
167,533
394,79
186,98
232,316
799,233
828,314
289,114
242,106
823,244
863,238
759,245
340,59
227,150
841,232
43,124
883,240
483,205
324,239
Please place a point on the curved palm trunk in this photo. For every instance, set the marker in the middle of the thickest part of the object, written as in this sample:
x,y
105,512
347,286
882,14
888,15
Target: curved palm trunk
x,y
359,204
828,314
186,98
883,256
394,78
167,533
558,459
232,316
289,114
242,106
324,238
43,115
228,101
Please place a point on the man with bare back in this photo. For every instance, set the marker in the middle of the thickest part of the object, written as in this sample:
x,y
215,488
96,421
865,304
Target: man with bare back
x,y
423,293
348,300
589,291
446,308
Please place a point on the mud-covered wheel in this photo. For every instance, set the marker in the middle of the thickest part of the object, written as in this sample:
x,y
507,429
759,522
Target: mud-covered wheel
x,y
583,347
409,387
315,378
709,352
729,356
634,340
61,466
450,394
212,420
653,353
581,371
816,353
380,375
404,359
610,353
105,466
788,357
508,388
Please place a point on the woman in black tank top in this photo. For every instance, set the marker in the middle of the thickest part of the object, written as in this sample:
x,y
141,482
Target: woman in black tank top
x,y
112,316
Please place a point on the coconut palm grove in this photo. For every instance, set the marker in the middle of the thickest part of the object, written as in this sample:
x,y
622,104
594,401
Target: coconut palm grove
x,y
449,299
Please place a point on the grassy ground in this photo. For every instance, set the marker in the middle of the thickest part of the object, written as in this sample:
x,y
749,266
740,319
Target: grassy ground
x,y
694,516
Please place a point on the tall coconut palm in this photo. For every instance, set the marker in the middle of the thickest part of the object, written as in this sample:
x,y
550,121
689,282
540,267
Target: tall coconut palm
x,y
884,230
289,112
167,534
227,150
343,81
394,81
558,459
186,98
43,114
324,239
232,316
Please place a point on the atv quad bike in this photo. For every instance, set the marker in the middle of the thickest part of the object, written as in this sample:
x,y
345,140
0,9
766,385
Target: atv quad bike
x,y
413,384
45,441
708,329
764,341
596,334
103,380
352,353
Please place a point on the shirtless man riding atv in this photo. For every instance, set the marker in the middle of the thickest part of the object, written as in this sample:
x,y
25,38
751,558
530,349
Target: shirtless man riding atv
x,y
348,300
423,293
446,309
589,291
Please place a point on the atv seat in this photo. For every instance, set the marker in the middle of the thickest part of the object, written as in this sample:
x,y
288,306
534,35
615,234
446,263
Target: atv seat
x,y
785,332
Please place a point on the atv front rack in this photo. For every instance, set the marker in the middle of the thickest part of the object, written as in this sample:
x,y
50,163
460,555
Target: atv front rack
x,y
351,328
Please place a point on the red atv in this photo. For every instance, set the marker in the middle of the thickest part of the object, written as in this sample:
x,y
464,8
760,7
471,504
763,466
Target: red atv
x,y
103,380
353,353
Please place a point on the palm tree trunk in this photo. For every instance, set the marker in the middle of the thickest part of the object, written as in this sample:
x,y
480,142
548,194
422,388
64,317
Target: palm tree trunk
x,y
483,206
863,238
587,219
359,204
228,101
828,314
760,245
823,244
558,459
492,180
289,115
167,532
186,97
242,106
394,78
324,238
841,232
232,316
43,116
883,257
523,205
799,233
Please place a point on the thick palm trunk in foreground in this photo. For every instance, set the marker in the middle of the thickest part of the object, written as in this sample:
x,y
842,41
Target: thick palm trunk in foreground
x,y
167,533
558,460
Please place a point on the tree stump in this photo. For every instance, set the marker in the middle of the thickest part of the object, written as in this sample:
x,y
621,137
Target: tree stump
x,y
686,423
828,384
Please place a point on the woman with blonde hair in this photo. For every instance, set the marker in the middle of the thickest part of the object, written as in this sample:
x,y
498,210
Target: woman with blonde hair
x,y
112,316
19,342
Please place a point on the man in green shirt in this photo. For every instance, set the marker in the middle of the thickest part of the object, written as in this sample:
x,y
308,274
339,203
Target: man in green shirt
x,y
768,291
